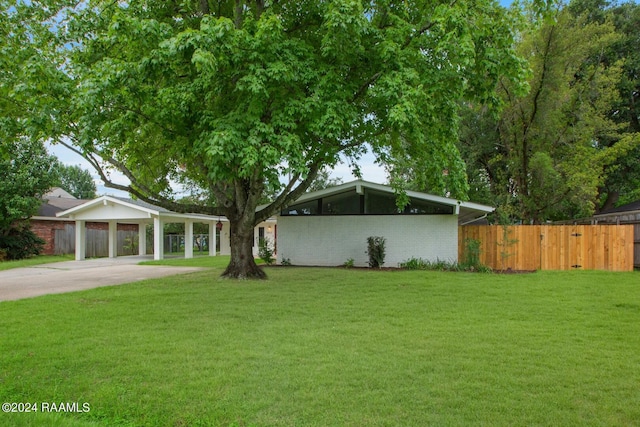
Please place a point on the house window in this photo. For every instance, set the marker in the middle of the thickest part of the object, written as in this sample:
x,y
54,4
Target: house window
x,y
307,208
260,235
379,203
371,203
423,207
341,204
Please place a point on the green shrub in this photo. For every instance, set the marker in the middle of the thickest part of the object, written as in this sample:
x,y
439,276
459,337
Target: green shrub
x,y
349,263
440,265
471,254
424,264
471,257
20,242
265,251
414,264
376,251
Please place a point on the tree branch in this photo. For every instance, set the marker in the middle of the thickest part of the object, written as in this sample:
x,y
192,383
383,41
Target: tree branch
x,y
138,189
288,195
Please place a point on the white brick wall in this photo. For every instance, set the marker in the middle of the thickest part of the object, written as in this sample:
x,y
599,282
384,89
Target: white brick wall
x,y
332,240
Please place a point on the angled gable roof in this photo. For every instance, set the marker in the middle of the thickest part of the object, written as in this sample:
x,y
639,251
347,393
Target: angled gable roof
x,y
110,208
466,211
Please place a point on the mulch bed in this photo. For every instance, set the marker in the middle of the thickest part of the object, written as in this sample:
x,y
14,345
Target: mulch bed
x,y
507,271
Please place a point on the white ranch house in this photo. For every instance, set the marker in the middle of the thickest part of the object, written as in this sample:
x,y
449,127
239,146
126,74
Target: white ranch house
x,y
331,226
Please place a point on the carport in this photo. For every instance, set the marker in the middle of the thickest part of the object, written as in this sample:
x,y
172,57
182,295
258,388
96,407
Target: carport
x,y
115,210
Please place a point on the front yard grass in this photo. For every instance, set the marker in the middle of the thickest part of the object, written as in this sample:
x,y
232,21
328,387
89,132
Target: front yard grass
x,y
331,347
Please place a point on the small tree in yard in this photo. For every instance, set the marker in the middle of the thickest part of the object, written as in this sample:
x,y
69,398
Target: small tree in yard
x,y
233,96
376,251
265,251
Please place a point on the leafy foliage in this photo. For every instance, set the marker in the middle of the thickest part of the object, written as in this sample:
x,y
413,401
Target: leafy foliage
x,y
76,181
376,251
324,180
545,155
265,251
471,253
621,183
25,175
19,242
441,265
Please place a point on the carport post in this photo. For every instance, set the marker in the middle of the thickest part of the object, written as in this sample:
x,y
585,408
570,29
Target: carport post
x,y
113,239
142,239
188,238
212,238
158,238
81,240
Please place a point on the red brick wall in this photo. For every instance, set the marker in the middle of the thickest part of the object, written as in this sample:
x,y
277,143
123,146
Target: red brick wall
x,y
46,230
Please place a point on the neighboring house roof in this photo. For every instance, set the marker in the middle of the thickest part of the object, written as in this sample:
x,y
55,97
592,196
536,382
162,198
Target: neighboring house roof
x,y
466,211
55,201
630,207
629,213
58,193
50,210
107,208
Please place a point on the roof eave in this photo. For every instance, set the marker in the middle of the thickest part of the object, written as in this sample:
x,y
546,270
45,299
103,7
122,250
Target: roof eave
x,y
385,188
104,199
604,215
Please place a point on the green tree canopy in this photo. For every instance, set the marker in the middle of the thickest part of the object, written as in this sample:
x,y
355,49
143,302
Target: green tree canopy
x,y
25,175
546,155
236,96
622,182
76,181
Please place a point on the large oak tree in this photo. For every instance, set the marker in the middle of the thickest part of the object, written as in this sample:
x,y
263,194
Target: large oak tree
x,y
241,98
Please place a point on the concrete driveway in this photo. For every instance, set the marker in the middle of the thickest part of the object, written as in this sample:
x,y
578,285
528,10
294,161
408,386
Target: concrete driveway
x,y
68,276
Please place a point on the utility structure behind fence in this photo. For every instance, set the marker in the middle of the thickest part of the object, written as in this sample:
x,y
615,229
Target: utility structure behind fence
x,y
552,247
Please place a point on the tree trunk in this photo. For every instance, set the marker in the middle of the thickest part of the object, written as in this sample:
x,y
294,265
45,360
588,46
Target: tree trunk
x,y
242,264
609,203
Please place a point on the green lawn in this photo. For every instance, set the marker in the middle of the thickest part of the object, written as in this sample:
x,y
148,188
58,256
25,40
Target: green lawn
x,y
331,347
37,260
219,262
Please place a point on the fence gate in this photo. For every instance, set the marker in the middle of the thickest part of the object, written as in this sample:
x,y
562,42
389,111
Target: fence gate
x,y
563,247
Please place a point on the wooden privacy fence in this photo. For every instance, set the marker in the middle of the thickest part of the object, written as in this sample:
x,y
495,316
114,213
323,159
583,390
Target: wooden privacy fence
x,y
551,247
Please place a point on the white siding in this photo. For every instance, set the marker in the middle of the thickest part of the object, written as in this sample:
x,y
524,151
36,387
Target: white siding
x,y
332,240
225,239
269,233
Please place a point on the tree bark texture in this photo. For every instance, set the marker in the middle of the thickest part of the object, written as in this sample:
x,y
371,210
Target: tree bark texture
x,y
242,264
